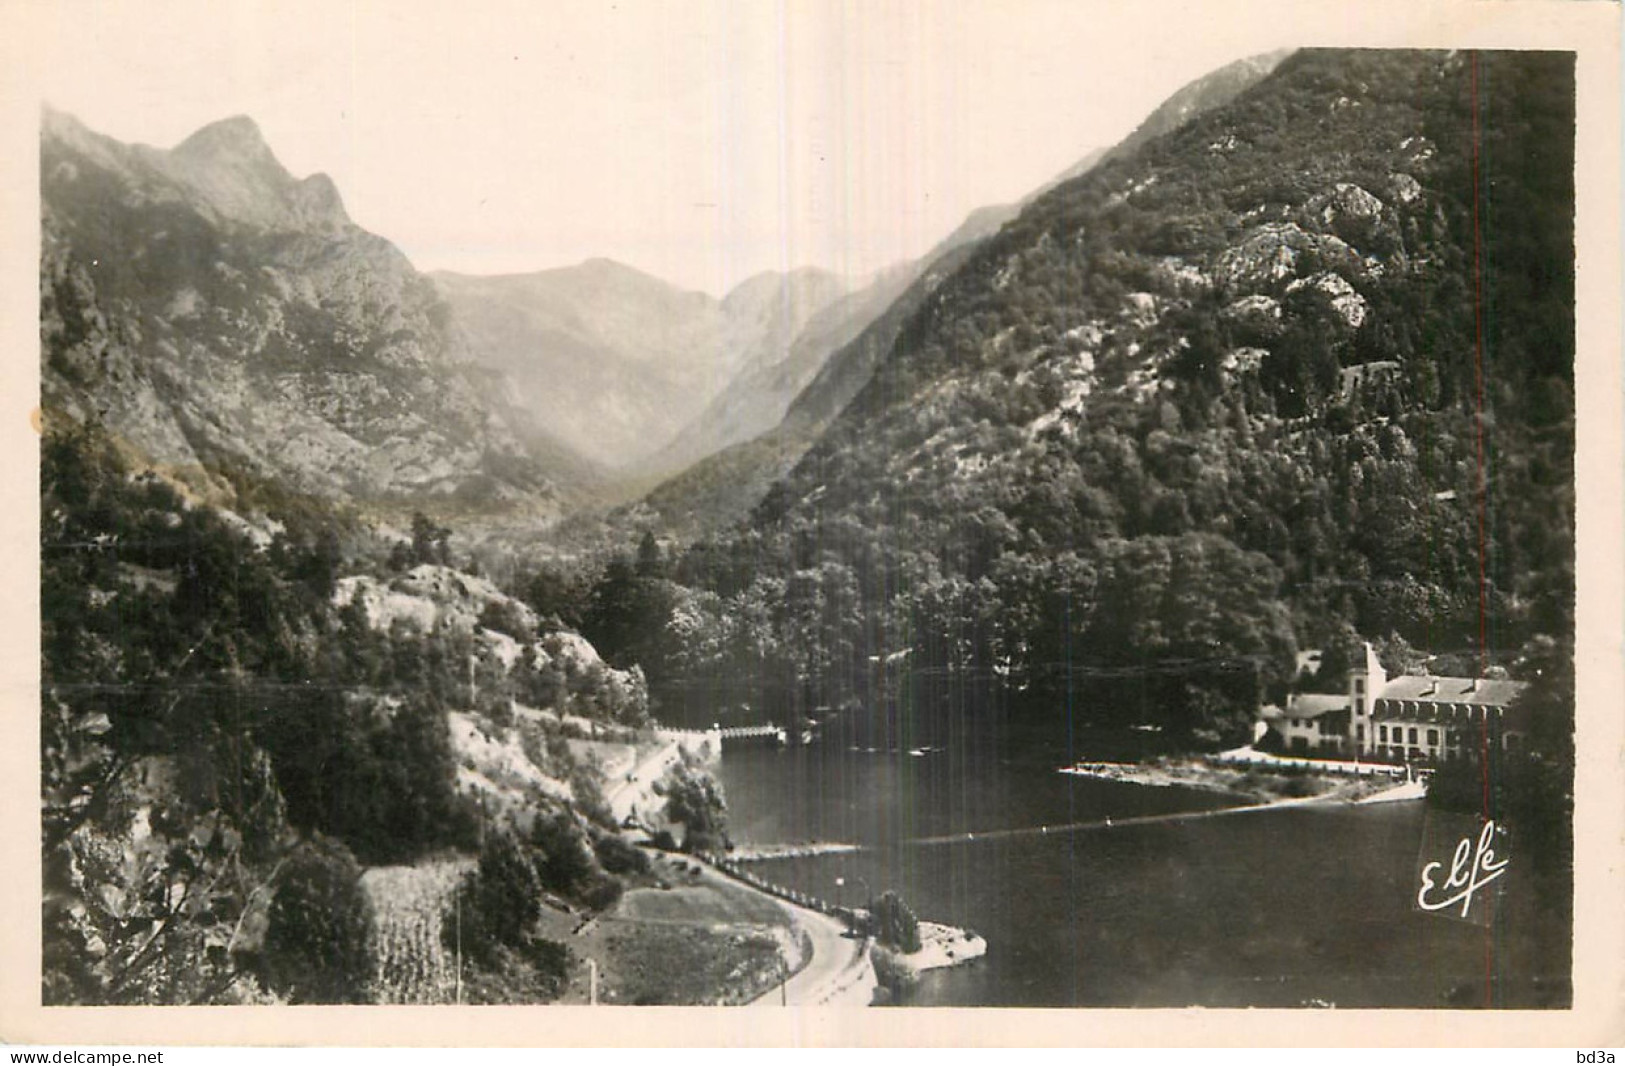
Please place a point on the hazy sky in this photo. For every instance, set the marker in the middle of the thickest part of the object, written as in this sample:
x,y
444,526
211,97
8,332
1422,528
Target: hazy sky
x,y
701,142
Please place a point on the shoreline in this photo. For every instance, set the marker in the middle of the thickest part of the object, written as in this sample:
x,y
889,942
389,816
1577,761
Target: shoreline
x,y
941,947
1262,780
742,853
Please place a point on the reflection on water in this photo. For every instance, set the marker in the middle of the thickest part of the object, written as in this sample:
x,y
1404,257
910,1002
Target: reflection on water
x,y
1278,908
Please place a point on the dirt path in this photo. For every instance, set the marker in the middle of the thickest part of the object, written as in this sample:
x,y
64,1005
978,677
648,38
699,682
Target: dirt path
x,y
624,795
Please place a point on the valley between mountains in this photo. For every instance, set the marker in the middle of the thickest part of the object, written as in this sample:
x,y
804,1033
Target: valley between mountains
x,y
395,625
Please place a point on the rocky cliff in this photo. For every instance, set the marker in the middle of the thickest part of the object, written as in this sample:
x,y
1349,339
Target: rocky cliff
x,y
229,324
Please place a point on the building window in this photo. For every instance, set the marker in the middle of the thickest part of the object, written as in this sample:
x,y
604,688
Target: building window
x,y
1359,733
1382,734
1413,734
1433,737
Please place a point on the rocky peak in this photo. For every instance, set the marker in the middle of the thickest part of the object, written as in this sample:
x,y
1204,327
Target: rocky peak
x,y
235,140
228,165
319,199
60,125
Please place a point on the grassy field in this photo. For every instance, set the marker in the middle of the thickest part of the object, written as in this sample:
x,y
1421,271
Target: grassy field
x,y
707,899
703,940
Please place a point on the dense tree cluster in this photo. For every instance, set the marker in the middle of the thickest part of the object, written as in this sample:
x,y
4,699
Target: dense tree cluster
x,y
223,746
316,936
895,924
694,801
492,922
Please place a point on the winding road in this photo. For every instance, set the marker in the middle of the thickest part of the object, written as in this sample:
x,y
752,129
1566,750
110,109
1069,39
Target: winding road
x,y
840,973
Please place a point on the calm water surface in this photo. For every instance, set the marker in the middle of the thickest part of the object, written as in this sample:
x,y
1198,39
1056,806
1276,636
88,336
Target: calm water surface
x,y
1276,908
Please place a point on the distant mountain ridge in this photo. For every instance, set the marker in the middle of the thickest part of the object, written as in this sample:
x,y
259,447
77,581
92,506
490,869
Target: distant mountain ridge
x,y
763,407
228,323
1212,90
346,373
617,362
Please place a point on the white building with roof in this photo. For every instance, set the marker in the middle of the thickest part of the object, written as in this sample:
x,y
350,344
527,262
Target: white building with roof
x,y
1312,722
1441,718
1415,718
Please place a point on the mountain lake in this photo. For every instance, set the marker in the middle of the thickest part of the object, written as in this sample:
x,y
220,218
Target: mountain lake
x,y
1306,906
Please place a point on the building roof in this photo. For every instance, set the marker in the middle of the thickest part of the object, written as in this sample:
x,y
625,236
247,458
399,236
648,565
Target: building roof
x,y
1477,692
1314,704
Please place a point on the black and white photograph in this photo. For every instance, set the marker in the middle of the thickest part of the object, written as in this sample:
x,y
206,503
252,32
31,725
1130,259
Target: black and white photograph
x,y
811,505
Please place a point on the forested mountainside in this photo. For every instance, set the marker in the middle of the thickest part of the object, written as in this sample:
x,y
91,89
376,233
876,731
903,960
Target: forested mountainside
x,y
1299,370
229,324
616,363
232,730
719,489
